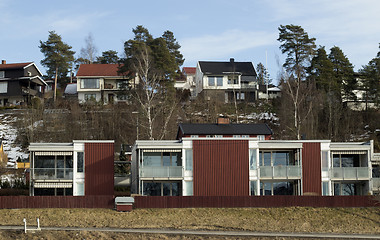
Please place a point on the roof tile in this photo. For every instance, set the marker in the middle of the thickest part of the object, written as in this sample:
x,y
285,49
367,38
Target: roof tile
x,y
97,70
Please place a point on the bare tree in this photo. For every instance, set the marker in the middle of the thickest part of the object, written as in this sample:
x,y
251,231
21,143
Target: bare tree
x,y
152,95
90,50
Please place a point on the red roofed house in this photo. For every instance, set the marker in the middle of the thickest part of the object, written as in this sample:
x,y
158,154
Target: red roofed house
x,y
19,83
188,82
101,82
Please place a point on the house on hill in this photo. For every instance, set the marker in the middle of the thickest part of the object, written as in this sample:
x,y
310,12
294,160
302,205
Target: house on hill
x,y
188,80
19,83
226,81
102,82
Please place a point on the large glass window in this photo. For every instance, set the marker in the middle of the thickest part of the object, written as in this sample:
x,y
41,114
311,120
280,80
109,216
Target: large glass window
x,y
189,159
53,167
159,159
254,188
282,188
277,158
347,189
90,83
80,162
189,188
346,160
80,187
252,159
162,188
325,164
152,159
325,188
278,188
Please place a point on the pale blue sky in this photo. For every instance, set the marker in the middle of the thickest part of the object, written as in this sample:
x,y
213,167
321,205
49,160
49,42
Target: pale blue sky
x,y
206,30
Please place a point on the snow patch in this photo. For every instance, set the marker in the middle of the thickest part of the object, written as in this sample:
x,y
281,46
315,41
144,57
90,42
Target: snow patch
x,y
8,134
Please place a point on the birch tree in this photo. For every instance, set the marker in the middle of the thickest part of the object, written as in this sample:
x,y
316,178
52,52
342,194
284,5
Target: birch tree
x,y
299,49
153,63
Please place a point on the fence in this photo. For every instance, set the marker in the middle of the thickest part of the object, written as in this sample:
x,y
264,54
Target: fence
x,y
102,201
256,201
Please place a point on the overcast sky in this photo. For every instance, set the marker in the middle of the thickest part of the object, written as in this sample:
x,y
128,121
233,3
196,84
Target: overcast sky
x,y
246,30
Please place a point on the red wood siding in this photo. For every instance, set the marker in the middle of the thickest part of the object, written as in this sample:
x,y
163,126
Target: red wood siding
x,y
99,168
255,201
220,168
57,202
311,168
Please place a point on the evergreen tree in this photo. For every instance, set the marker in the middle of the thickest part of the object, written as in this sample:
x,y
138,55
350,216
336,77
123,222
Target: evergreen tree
x,y
155,61
299,49
343,73
173,47
322,72
262,74
108,57
371,79
58,58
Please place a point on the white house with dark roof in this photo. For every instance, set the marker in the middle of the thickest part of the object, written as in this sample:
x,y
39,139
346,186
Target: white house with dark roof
x,y
19,83
226,81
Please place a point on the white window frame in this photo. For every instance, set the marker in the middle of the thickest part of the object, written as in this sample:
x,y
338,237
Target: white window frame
x,y
83,86
4,87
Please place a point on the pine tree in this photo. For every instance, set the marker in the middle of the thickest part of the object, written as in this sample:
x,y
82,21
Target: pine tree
x,y
299,49
343,73
371,79
58,58
108,57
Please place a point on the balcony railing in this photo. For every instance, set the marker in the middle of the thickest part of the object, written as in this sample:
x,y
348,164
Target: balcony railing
x,y
52,173
161,172
349,173
280,172
248,85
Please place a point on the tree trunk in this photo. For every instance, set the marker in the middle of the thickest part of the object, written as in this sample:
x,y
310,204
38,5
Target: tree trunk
x,y
55,83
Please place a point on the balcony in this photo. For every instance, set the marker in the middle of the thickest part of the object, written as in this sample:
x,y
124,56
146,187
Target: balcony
x,y
349,173
161,172
52,174
250,85
280,172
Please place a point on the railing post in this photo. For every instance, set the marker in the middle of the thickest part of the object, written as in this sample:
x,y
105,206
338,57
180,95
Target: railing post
x,y
24,225
38,224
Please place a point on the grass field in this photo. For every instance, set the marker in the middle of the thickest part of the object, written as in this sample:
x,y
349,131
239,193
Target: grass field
x,y
294,219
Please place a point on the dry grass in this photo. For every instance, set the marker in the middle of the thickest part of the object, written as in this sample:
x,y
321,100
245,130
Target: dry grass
x,y
295,219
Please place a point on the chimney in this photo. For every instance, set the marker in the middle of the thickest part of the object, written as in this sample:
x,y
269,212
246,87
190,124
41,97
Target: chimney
x,y
232,60
3,62
223,120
